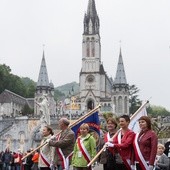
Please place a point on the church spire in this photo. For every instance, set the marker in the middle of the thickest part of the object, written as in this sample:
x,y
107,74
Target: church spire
x,y
91,9
120,74
91,19
43,75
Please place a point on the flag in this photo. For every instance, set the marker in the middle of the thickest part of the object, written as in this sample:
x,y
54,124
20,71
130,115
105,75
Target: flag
x,y
92,121
134,124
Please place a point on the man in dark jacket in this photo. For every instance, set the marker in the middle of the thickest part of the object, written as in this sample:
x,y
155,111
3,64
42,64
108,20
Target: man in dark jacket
x,y
29,161
7,159
167,148
1,163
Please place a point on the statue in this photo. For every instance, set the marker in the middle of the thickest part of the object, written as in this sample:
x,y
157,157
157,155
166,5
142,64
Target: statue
x,y
44,110
22,142
8,142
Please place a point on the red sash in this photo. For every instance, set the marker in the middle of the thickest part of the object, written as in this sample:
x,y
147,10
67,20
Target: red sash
x,y
126,162
84,151
45,160
139,155
65,161
107,137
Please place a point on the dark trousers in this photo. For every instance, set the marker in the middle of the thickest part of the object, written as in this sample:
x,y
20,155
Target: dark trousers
x,y
1,165
45,168
27,167
121,166
6,166
138,167
106,167
81,168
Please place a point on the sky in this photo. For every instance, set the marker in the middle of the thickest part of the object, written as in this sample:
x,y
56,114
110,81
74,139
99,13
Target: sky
x,y
140,27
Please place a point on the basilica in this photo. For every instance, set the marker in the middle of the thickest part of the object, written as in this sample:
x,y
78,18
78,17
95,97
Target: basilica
x,y
95,87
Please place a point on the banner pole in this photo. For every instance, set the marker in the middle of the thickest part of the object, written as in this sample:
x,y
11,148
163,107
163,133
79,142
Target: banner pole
x,y
70,126
93,160
140,108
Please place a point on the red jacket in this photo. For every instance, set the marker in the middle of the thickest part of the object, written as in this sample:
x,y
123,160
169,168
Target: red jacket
x,y
148,146
17,158
125,148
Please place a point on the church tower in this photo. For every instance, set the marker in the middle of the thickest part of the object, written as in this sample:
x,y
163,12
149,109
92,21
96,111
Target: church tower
x,y
44,87
94,83
120,89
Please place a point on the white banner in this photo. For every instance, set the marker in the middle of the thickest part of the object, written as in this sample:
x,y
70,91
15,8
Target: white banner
x,y
134,124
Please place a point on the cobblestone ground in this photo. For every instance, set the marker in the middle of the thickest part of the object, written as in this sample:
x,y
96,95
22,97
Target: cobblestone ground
x,y
97,167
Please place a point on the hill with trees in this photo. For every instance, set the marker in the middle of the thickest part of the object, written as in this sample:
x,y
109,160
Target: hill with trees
x,y
69,88
25,87
22,86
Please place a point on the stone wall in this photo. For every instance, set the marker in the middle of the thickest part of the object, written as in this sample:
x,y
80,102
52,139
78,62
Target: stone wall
x,y
21,132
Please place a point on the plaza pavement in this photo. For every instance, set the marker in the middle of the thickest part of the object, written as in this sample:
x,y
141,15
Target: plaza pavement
x,y
97,167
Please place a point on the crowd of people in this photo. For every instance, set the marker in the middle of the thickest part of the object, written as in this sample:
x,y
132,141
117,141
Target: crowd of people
x,y
122,149
13,160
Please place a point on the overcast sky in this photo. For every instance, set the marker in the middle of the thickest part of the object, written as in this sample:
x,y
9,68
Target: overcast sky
x,y
142,26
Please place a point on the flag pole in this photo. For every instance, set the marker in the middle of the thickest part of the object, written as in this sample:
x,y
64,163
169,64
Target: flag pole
x,y
70,126
140,108
98,154
84,116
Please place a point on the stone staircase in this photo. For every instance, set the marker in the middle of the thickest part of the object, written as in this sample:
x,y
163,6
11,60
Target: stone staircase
x,y
5,126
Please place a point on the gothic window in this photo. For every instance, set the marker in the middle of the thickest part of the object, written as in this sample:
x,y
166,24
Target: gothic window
x,y
114,105
120,105
88,48
109,107
90,27
90,104
126,104
93,47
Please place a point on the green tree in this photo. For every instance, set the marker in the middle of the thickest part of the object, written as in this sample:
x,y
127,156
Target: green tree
x,y
16,85
161,128
30,87
24,87
27,110
134,101
156,111
5,73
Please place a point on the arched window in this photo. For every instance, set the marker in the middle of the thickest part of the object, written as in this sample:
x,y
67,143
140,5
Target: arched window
x,y
120,109
126,105
90,104
88,48
93,46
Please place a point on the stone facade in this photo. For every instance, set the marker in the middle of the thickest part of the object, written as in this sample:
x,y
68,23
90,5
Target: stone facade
x,y
15,133
95,88
21,132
